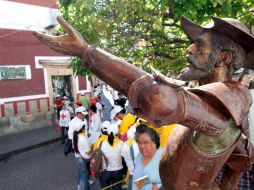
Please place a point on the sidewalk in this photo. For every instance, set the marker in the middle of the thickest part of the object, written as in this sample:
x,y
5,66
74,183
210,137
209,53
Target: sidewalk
x,y
20,142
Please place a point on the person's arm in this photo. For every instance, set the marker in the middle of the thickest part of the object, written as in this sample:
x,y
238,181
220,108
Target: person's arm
x,y
125,152
158,101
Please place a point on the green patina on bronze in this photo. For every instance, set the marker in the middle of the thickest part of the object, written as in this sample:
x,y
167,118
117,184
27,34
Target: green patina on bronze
x,y
213,145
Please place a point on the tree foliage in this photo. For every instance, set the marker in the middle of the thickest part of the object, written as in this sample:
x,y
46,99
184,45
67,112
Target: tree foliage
x,y
147,32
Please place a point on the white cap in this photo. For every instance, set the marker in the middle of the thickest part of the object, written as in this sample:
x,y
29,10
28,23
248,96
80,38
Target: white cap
x,y
105,125
115,111
113,128
82,110
58,95
65,97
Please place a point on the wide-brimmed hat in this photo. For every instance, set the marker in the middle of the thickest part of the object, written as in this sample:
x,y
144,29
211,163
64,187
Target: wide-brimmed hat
x,y
232,28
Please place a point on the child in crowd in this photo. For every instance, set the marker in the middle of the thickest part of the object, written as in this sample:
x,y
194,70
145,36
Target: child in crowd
x,y
64,121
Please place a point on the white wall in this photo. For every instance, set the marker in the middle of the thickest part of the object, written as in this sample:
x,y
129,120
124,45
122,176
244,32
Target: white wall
x,y
21,16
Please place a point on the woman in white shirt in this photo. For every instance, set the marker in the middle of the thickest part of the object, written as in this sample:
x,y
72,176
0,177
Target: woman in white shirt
x,y
95,119
113,170
82,150
129,152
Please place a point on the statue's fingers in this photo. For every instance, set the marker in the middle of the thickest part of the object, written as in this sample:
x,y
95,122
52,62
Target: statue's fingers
x,y
43,37
69,29
54,42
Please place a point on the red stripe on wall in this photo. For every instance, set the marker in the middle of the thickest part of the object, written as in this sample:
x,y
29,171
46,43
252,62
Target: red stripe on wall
x,y
39,105
48,104
3,110
27,106
15,108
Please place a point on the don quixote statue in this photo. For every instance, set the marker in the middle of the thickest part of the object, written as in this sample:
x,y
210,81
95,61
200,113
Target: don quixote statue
x,y
213,118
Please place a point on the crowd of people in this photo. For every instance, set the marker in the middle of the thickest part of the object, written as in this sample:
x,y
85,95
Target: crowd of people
x,y
131,145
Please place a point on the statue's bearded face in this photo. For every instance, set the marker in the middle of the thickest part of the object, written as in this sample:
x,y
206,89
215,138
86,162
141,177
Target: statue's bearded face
x,y
201,59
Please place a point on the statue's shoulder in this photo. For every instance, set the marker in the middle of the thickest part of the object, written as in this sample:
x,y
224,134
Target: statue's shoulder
x,y
232,95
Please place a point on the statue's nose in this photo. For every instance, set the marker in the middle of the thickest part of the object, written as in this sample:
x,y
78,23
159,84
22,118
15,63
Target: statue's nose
x,y
190,50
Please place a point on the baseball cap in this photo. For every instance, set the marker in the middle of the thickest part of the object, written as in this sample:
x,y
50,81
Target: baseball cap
x,y
78,103
82,110
105,125
115,111
113,128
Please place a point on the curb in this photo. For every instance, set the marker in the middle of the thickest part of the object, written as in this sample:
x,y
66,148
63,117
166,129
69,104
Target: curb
x,y
7,155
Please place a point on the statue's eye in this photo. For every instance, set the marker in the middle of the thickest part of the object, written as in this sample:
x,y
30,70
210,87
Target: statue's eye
x,y
200,45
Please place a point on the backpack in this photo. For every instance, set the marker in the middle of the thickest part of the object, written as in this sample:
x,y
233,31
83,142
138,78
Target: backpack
x,y
96,166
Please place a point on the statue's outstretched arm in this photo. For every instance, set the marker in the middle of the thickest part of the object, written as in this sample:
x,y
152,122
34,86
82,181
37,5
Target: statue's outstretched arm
x,y
71,43
155,98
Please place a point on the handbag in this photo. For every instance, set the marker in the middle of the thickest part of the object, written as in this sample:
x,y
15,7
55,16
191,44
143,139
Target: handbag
x,y
96,166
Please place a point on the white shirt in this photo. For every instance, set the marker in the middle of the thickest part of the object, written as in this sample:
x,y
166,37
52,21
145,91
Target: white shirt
x,y
75,125
83,146
113,155
99,108
95,124
126,153
65,118
115,95
97,91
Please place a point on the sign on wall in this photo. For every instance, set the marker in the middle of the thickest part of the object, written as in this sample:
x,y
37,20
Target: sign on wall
x,y
15,72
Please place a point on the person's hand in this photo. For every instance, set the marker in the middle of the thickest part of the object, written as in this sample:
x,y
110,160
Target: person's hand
x,y
155,186
71,43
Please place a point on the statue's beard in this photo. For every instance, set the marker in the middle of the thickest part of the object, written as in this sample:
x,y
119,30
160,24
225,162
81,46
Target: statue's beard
x,y
195,70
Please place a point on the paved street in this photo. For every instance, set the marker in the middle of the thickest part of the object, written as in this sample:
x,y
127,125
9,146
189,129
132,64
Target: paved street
x,y
42,168
45,168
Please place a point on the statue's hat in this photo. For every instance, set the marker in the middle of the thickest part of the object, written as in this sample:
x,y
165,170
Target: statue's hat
x,y
232,28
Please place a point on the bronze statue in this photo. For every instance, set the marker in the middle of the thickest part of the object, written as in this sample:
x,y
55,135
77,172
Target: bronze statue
x,y
213,117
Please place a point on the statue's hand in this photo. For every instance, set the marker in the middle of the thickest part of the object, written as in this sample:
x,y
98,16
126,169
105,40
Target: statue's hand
x,y
71,43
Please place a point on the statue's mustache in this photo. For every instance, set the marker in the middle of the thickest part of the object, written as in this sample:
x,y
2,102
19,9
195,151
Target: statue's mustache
x,y
191,59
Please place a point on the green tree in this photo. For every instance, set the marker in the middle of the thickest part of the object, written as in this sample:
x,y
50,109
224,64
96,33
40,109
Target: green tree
x,y
147,32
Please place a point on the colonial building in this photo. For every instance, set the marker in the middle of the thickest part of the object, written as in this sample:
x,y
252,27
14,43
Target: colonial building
x,y
31,74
